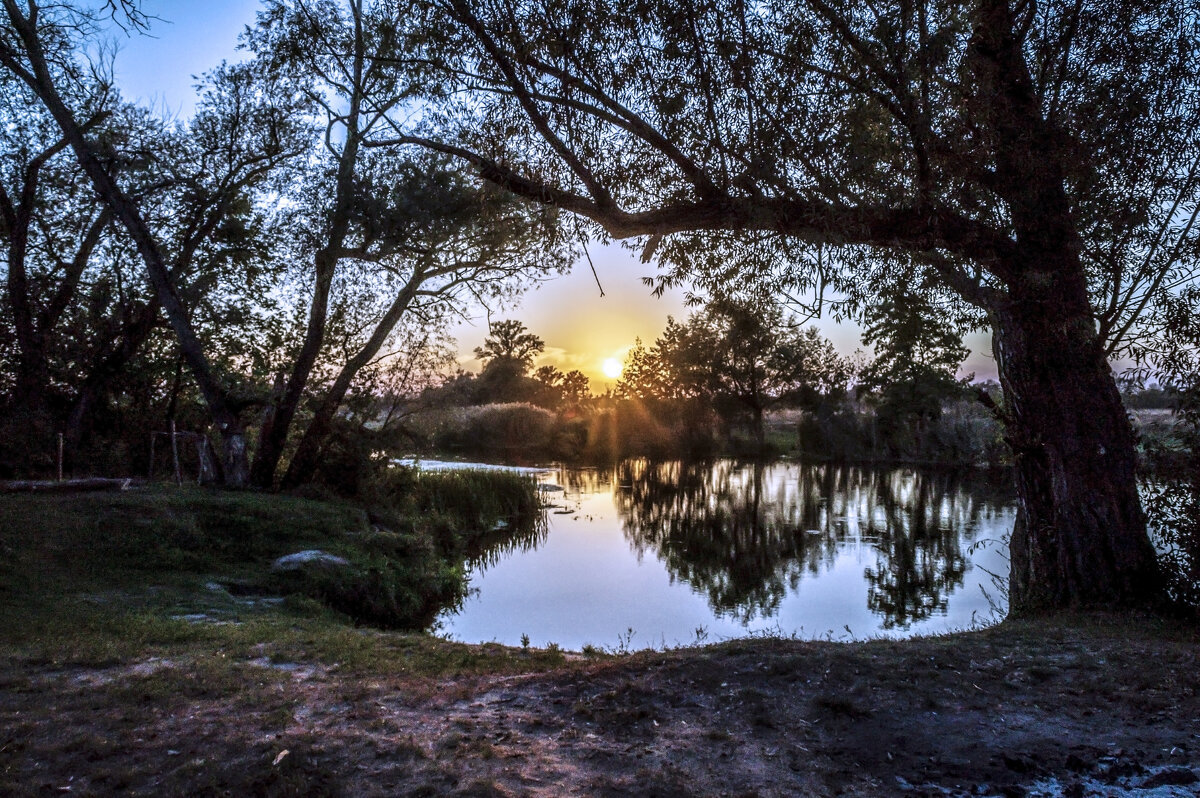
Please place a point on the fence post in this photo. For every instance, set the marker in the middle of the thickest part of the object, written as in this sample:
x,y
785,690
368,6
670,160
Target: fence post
x,y
60,457
175,454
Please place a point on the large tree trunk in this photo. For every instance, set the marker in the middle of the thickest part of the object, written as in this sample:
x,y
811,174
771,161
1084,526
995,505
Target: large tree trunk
x,y
1081,539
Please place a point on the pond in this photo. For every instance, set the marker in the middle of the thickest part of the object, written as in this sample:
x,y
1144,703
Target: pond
x,y
654,555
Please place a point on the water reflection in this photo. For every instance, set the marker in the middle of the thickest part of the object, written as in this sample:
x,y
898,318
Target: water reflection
x,y
504,541
745,534
668,549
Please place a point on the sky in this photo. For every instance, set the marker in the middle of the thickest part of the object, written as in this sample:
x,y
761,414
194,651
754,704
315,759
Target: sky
x,y
581,327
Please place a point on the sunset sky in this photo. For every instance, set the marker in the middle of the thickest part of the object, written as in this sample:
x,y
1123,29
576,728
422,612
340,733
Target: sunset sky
x,y
581,328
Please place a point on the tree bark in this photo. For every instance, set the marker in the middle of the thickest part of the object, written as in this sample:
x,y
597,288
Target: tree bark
x,y
1080,539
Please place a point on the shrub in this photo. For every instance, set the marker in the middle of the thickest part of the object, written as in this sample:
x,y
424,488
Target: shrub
x,y
512,428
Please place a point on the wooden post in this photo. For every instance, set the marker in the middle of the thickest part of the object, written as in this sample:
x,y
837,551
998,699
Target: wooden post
x,y
60,456
175,454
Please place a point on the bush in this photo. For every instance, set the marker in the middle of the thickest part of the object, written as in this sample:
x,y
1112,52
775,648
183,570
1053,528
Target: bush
x,y
394,580
510,429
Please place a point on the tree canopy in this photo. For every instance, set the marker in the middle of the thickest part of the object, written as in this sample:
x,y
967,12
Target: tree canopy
x,y
739,357
1035,161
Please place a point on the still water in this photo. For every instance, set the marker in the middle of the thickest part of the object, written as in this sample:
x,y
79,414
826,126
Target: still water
x,y
662,554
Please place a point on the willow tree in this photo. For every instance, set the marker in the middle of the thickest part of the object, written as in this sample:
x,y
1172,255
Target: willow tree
x,y
1036,160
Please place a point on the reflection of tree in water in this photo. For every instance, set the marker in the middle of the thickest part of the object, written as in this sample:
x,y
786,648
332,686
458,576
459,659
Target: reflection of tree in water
x,y
736,533
745,534
493,547
920,559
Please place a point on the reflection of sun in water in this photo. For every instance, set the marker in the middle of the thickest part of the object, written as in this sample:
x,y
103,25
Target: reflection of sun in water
x,y
612,368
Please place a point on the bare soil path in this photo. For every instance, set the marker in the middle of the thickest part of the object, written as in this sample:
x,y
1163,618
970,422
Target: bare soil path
x,y
1092,706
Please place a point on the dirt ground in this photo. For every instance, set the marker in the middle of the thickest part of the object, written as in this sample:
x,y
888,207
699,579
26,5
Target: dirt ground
x,y
1072,708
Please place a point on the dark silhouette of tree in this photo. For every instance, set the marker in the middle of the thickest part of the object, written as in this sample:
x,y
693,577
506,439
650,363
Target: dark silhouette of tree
x,y
549,376
741,357
561,390
576,387
429,240
507,354
1036,160
509,341
912,375
234,143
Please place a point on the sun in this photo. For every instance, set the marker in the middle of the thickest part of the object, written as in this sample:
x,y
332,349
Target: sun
x,y
612,368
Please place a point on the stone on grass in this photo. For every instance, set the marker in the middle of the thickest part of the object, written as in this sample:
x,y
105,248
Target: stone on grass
x,y
307,559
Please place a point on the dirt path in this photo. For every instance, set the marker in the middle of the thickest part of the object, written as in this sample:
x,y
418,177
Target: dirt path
x,y
1019,710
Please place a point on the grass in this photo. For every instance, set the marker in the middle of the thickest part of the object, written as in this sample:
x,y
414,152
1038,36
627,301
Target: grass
x,y
92,580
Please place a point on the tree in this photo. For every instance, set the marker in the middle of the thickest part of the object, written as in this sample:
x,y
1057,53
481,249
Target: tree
x,y
40,50
509,341
559,389
50,234
917,352
507,353
575,387
389,236
1037,160
741,357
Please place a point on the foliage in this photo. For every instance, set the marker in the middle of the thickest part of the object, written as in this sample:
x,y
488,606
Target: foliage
x,y
567,391
912,376
509,341
90,356
738,357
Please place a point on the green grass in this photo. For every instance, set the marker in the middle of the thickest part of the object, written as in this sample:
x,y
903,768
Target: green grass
x,y
100,579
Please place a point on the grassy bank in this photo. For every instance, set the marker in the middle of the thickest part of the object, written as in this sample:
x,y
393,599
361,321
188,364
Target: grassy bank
x,y
94,577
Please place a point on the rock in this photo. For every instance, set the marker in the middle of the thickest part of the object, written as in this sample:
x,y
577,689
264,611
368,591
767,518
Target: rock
x,y
309,558
1018,763
1172,776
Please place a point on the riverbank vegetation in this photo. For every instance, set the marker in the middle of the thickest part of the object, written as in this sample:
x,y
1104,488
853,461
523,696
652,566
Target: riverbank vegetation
x,y
392,559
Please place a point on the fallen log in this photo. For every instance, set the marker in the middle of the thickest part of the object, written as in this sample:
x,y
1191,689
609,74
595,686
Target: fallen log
x,y
65,486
